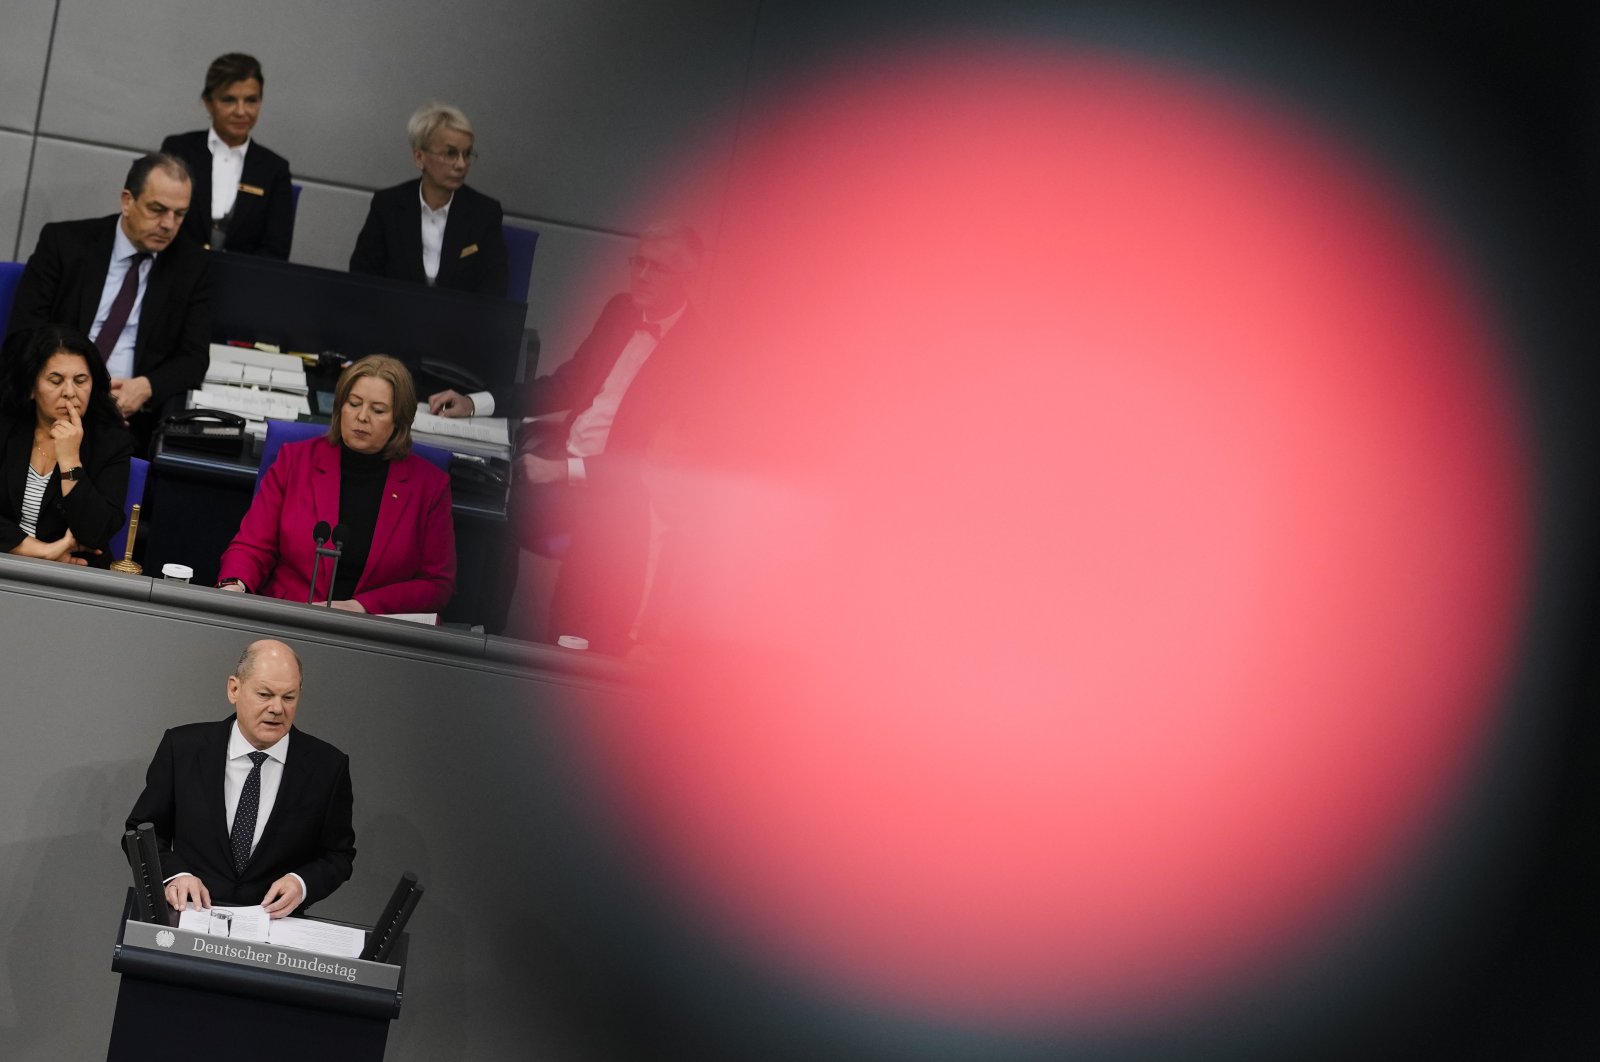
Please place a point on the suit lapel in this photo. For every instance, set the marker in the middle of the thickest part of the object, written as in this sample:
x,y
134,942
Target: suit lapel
x,y
213,783
456,224
410,237
200,186
19,448
289,788
246,204
660,377
155,296
94,277
396,499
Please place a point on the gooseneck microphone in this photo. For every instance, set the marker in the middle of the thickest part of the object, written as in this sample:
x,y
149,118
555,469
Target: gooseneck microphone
x,y
339,534
319,535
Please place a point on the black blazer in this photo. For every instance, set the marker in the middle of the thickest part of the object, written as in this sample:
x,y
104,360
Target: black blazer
x,y
670,377
92,511
602,579
63,282
473,257
309,833
262,221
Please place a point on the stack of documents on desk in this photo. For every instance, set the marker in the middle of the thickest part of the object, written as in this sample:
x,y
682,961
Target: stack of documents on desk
x,y
486,436
240,366
255,925
254,385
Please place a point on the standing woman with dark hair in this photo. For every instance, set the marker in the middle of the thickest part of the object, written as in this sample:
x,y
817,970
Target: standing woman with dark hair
x,y
63,451
243,199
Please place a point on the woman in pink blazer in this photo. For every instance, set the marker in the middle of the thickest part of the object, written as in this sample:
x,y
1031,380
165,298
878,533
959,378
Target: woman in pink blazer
x,y
400,547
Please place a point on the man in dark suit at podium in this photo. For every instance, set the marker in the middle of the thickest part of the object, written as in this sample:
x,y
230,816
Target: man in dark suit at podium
x,y
250,810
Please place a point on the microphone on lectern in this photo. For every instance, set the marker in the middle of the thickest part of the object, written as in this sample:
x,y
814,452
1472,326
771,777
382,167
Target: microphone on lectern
x,y
321,532
340,533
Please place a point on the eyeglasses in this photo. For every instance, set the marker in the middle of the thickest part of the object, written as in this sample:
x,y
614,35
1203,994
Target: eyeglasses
x,y
452,156
651,265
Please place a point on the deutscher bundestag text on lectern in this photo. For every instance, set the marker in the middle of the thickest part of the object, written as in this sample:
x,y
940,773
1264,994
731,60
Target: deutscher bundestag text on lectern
x,y
190,996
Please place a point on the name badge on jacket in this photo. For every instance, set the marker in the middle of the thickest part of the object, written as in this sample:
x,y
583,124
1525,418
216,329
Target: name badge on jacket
x,y
252,189
469,249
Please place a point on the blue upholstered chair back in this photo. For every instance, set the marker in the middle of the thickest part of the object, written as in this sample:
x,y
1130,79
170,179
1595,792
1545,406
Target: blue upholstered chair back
x,y
10,274
138,471
287,431
520,244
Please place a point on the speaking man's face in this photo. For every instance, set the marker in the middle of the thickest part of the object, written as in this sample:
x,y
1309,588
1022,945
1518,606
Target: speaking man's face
x,y
265,698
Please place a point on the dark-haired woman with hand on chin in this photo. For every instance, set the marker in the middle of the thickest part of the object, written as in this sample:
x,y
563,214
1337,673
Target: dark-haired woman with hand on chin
x,y
63,451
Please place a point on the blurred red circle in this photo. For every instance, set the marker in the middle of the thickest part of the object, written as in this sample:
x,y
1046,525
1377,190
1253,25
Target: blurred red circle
x,y
1126,560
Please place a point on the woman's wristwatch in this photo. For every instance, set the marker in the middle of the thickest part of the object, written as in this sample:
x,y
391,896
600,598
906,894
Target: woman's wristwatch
x,y
233,582
73,474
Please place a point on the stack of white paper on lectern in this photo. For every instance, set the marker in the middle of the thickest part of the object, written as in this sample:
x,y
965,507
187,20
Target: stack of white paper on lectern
x,y
255,925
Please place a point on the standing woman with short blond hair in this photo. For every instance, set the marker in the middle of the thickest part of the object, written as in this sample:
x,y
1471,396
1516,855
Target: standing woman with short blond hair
x,y
435,230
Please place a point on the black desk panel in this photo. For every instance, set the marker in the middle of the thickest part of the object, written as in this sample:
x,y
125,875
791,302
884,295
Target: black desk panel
x,y
310,310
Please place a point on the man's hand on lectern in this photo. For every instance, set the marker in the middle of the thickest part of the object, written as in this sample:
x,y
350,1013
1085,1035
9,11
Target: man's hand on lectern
x,y
284,896
185,889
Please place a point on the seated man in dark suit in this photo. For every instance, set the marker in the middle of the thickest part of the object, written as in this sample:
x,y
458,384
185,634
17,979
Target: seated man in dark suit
x,y
435,230
623,390
140,294
250,810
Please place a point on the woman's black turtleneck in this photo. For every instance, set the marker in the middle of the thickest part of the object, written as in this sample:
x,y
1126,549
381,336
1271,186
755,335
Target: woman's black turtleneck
x,y
361,482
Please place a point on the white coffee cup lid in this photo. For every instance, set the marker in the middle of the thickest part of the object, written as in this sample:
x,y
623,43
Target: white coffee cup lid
x,y
572,641
177,571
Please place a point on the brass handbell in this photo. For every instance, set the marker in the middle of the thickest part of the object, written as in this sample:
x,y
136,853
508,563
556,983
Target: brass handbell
x,y
126,565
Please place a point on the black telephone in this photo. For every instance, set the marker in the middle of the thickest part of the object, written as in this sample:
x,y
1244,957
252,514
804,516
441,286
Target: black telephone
x,y
212,430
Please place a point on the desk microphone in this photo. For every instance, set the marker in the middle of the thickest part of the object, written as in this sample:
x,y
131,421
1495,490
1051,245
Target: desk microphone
x,y
340,533
319,534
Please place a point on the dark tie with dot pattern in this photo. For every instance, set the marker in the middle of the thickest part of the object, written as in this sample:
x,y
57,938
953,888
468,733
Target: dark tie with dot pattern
x,y
244,817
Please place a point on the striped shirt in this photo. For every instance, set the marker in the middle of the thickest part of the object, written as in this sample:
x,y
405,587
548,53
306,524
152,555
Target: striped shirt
x,y
32,499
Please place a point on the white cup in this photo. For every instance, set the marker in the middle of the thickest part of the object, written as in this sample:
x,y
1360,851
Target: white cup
x,y
181,573
572,641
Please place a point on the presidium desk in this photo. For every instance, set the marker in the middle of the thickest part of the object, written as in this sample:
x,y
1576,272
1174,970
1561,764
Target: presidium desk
x,y
197,499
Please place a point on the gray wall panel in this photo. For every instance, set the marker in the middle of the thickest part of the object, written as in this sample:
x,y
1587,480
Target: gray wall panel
x,y
574,104
72,181
467,796
574,272
326,223
14,149
24,46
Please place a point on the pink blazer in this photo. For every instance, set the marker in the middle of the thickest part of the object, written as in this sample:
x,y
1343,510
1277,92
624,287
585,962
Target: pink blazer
x,y
412,565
